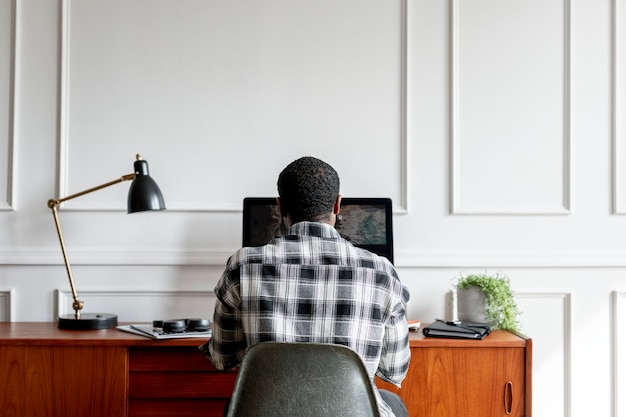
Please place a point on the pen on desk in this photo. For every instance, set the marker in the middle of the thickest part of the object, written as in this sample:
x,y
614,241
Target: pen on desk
x,y
450,322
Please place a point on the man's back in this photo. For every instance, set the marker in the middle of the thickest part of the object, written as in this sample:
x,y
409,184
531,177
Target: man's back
x,y
313,286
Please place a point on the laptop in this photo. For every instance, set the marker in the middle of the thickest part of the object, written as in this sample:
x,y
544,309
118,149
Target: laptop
x,y
366,222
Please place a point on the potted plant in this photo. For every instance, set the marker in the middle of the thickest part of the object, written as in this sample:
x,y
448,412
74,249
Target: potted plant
x,y
487,298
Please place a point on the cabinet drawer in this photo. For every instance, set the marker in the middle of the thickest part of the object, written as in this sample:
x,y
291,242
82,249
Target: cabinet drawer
x,y
176,380
180,408
181,384
170,358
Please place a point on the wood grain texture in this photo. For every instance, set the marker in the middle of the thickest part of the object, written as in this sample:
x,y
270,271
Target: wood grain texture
x,y
181,384
81,381
155,407
448,378
45,371
167,358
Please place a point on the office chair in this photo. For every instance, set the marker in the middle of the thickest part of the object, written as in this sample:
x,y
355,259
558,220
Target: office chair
x,y
302,380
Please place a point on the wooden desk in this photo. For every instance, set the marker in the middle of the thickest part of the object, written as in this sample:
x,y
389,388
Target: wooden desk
x,y
45,371
469,378
48,372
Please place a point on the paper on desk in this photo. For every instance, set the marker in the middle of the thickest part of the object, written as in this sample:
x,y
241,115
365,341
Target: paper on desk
x,y
147,330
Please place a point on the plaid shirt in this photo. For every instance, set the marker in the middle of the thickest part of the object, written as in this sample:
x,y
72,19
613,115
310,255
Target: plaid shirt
x,y
312,286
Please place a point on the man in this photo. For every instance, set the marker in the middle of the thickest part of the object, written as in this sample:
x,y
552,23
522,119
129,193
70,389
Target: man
x,y
313,286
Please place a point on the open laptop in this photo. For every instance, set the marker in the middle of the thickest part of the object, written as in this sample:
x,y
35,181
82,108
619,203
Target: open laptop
x,y
366,222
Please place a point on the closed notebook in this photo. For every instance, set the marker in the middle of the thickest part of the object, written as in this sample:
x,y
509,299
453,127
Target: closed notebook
x,y
457,329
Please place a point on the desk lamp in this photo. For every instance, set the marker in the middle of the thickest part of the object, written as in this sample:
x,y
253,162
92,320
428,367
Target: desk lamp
x,y
144,195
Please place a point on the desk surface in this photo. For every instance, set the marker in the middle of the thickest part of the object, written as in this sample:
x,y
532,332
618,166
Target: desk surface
x,y
497,338
39,334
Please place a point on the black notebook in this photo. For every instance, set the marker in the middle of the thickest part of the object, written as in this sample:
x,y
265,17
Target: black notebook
x,y
457,329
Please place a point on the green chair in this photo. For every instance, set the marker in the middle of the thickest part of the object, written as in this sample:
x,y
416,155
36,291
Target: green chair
x,y
302,380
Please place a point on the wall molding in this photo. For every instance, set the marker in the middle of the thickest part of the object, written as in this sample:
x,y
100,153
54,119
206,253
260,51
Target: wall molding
x,y
403,207
514,258
456,205
7,203
400,207
130,257
139,303
422,259
566,299
618,356
618,103
7,304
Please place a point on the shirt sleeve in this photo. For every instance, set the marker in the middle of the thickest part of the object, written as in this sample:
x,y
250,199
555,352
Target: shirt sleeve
x,y
396,353
227,345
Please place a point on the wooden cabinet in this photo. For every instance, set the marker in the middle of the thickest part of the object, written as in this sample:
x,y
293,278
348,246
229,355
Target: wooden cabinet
x,y
108,373
43,380
45,371
175,381
470,378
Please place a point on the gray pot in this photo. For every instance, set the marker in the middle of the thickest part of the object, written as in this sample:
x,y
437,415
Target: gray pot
x,y
471,305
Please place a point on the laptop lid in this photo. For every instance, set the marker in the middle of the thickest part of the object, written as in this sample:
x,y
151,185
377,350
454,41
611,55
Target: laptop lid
x,y
366,222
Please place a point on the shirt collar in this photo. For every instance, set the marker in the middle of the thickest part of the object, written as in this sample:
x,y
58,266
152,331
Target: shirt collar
x,y
316,229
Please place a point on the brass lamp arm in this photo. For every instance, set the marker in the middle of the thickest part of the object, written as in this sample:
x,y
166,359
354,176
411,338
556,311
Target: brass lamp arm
x,y
57,202
53,204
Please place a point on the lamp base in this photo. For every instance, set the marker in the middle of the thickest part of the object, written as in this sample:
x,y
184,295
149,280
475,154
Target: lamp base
x,y
87,321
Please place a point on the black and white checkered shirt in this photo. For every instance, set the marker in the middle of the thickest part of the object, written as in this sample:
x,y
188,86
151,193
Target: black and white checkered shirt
x,y
312,286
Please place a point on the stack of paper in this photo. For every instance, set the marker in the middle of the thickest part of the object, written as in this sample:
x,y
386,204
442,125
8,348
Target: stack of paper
x,y
148,331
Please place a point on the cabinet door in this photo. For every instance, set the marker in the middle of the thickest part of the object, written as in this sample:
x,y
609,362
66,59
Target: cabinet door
x,y
467,381
69,381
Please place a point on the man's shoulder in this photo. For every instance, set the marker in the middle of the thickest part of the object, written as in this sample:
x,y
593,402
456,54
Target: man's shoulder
x,y
247,254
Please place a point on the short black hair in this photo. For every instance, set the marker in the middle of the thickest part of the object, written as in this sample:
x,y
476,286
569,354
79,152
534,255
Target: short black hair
x,y
308,188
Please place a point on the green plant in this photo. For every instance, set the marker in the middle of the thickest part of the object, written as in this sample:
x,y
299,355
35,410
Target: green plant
x,y
500,307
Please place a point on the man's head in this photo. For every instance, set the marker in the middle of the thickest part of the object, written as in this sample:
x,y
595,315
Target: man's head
x,y
308,189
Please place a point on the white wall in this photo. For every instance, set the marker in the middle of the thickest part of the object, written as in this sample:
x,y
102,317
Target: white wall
x,y
495,126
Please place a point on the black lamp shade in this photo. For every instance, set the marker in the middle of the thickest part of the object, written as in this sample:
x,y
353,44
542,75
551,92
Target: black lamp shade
x,y
144,193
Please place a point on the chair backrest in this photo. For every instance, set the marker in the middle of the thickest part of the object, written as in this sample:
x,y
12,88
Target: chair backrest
x,y
302,380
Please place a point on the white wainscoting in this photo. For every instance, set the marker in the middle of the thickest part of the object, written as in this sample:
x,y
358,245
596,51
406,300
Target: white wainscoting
x,y
6,304
547,320
508,158
170,92
7,88
619,353
141,306
413,259
619,106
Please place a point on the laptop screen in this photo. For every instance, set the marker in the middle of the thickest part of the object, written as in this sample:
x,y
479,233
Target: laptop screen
x,y
366,222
